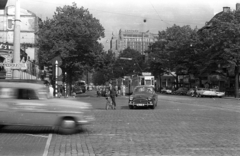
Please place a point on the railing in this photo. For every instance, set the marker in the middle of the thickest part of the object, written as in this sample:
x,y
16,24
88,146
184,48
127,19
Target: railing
x,y
32,71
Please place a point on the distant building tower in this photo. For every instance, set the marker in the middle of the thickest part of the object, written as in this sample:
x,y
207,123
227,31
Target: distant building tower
x,y
133,39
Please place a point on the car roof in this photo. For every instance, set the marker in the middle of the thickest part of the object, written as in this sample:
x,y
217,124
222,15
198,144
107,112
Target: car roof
x,y
33,84
145,86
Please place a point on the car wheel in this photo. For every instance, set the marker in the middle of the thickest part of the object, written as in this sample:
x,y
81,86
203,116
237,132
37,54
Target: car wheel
x,y
153,106
130,107
2,126
68,125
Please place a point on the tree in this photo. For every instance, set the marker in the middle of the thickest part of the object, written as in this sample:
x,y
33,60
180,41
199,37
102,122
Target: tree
x,y
72,34
173,51
104,68
128,67
223,34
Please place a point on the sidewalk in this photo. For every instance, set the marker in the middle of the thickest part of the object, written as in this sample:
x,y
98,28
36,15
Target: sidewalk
x,y
224,97
231,97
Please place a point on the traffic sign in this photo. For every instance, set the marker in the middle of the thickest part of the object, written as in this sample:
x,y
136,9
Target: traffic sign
x,y
14,65
58,58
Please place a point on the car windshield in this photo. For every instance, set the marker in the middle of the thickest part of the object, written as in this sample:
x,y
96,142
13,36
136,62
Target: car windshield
x,y
143,89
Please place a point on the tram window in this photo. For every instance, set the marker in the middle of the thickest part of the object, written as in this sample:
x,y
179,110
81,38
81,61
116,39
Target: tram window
x,y
148,82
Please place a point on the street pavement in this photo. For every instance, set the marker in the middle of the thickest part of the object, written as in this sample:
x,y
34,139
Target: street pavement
x,y
180,125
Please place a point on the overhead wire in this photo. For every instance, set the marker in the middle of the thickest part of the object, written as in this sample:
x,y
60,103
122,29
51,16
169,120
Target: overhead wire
x,y
157,12
165,21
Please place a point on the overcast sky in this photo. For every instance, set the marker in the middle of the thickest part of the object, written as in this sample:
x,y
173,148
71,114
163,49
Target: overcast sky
x,y
129,14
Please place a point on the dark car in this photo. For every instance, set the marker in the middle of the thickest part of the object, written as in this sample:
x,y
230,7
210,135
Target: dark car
x,y
80,87
143,96
181,91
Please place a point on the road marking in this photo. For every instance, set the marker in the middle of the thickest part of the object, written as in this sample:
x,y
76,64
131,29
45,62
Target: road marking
x,y
43,136
47,145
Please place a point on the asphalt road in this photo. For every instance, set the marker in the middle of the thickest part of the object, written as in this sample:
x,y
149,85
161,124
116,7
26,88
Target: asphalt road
x,y
179,125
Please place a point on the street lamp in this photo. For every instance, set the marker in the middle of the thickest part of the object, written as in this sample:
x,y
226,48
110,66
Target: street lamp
x,y
65,85
128,58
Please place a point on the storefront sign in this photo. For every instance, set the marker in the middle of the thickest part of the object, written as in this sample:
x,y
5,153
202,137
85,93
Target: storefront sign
x,y
14,65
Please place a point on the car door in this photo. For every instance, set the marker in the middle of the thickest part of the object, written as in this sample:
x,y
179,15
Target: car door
x,y
8,114
32,110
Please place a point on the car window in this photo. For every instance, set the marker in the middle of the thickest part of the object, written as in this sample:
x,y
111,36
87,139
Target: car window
x,y
139,89
144,89
27,94
150,90
8,93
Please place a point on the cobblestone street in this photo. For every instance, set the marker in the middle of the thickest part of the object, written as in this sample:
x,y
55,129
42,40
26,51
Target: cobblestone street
x,y
174,128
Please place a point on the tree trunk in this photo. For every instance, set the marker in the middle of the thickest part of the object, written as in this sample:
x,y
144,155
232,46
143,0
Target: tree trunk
x,y
236,81
160,83
200,82
70,81
177,81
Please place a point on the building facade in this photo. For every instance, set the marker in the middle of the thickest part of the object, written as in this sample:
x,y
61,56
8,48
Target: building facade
x,y
28,52
28,26
133,39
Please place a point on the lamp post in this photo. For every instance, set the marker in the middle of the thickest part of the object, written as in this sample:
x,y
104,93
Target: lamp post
x,y
65,85
56,76
16,50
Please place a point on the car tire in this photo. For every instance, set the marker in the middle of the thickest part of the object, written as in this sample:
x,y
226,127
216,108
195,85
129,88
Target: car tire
x,y
130,107
153,106
2,126
68,125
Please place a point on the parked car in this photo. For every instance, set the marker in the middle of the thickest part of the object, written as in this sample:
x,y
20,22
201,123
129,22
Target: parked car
x,y
181,91
27,102
166,91
190,92
203,92
143,96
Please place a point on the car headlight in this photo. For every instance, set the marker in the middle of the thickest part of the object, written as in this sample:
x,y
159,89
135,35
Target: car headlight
x,y
150,98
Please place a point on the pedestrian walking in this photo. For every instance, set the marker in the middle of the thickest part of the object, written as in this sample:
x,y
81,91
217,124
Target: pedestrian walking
x,y
73,91
113,95
50,91
195,91
119,90
123,90
116,89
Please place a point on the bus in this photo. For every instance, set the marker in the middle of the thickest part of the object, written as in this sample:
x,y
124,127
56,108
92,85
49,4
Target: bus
x,y
80,86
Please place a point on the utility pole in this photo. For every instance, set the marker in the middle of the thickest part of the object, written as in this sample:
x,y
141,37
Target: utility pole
x,y
56,78
142,43
16,42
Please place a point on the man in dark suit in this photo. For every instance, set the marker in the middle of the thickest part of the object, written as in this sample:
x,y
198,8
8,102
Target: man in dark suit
x,y
113,95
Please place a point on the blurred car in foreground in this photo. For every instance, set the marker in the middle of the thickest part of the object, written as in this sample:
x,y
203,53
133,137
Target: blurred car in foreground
x,y
143,96
203,92
27,102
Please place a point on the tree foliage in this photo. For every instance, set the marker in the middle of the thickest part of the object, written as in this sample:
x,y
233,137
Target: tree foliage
x,y
72,34
173,51
124,67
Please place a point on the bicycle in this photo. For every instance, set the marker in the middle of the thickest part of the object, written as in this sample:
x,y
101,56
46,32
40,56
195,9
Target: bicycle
x,y
109,104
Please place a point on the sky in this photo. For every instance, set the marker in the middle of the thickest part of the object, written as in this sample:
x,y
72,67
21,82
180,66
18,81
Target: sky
x,y
130,14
